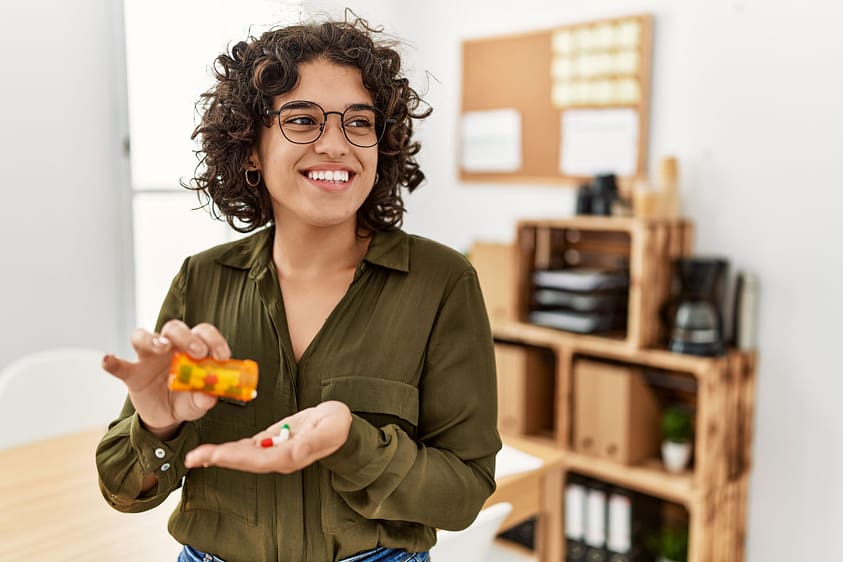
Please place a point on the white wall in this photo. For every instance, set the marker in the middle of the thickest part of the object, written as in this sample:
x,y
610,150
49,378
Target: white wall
x,y
65,269
746,93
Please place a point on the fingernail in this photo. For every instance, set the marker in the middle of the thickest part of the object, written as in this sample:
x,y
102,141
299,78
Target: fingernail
x,y
160,341
195,349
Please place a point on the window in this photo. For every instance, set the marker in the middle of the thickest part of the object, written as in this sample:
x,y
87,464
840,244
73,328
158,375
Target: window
x,y
170,47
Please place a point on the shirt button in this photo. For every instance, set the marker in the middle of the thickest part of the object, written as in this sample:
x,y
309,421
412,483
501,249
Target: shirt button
x,y
165,467
159,452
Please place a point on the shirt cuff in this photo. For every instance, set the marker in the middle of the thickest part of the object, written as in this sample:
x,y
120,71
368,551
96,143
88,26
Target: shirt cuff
x,y
165,459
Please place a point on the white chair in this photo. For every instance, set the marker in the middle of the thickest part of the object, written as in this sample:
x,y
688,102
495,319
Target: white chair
x,y
474,543
56,392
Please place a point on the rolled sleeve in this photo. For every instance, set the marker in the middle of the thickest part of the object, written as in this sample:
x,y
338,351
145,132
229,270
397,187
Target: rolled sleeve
x,y
128,452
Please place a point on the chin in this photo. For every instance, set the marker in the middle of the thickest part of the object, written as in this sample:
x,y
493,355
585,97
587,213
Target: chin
x,y
326,220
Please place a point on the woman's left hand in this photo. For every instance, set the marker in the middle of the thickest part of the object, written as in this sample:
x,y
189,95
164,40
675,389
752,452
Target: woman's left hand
x,y
315,433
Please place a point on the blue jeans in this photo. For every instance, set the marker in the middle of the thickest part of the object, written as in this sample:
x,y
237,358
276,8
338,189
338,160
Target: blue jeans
x,y
380,554
190,554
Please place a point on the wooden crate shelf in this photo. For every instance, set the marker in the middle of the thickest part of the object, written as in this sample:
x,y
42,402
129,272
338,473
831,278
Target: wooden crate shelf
x,y
713,489
646,246
724,389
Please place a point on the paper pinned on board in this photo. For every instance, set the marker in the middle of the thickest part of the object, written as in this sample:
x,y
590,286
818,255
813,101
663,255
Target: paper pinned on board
x,y
599,141
491,141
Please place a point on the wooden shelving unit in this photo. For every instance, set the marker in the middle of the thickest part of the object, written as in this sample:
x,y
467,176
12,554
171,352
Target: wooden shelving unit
x,y
713,490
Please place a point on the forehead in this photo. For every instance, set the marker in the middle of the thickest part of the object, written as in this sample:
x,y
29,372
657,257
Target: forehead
x,y
331,85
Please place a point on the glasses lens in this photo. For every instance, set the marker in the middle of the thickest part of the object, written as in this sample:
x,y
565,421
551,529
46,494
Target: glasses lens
x,y
363,125
301,121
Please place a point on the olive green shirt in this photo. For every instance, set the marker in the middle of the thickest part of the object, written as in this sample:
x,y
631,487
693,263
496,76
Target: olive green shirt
x,y
408,349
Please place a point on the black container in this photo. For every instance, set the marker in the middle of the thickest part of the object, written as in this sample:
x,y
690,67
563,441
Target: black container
x,y
696,310
584,199
604,192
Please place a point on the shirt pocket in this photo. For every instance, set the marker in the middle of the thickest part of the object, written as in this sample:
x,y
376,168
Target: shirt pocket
x,y
378,401
224,491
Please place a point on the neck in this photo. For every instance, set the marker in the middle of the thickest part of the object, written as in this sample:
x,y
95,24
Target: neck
x,y
307,252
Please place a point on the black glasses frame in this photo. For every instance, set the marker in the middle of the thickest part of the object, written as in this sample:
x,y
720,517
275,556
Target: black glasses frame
x,y
356,107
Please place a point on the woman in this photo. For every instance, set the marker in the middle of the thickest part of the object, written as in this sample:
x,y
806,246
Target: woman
x,y
373,345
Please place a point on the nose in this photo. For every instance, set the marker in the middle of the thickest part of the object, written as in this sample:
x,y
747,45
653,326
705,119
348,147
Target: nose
x,y
332,141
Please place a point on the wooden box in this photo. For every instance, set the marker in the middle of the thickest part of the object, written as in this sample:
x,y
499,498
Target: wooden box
x,y
616,414
494,263
526,389
646,247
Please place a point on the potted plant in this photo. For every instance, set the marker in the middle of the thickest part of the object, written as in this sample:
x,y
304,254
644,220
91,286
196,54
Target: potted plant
x,y
677,426
673,544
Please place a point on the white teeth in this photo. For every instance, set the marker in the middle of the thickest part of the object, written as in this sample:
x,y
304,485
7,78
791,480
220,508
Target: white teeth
x,y
328,175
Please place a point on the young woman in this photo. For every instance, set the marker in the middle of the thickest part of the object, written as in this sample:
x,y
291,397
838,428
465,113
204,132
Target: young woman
x,y
373,345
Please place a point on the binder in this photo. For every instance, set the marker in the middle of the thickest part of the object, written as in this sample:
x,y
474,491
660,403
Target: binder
x,y
631,517
575,514
595,523
619,528
606,523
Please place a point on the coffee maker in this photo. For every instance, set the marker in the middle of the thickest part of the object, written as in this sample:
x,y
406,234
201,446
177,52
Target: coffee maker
x,y
697,319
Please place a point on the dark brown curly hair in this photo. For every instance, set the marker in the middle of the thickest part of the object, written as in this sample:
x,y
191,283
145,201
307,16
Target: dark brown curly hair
x,y
257,70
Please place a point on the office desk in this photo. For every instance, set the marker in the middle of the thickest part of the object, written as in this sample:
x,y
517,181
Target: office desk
x,y
537,493
51,507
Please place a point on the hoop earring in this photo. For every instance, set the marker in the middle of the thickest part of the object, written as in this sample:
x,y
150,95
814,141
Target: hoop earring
x,y
256,182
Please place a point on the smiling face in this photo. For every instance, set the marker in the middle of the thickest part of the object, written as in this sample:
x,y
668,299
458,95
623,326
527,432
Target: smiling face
x,y
321,184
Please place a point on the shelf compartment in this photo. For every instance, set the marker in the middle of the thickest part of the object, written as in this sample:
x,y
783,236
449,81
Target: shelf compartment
x,y
526,379
649,477
646,247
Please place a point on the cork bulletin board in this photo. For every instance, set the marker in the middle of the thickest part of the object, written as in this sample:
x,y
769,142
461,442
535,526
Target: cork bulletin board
x,y
559,105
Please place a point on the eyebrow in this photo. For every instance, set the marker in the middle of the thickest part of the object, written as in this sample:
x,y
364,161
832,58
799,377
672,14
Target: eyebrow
x,y
298,104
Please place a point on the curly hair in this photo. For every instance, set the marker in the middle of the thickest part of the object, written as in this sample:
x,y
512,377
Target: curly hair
x,y
257,70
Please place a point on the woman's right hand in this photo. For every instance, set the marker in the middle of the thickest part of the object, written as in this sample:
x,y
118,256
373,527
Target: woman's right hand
x,y
160,409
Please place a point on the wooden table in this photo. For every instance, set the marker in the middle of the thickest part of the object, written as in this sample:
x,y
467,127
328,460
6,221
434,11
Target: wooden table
x,y
51,507
537,493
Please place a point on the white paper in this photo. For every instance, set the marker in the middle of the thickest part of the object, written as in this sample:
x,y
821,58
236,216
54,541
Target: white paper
x,y
491,141
511,461
599,141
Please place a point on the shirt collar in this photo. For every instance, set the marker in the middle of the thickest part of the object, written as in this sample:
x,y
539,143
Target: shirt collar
x,y
390,249
387,249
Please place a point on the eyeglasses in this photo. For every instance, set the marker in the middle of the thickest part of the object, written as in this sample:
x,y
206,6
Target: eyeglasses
x,y
303,122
